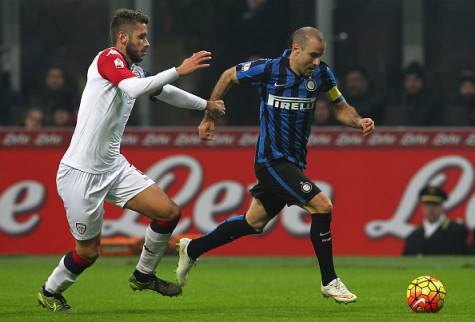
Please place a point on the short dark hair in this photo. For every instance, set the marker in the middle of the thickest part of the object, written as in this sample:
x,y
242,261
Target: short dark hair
x,y
125,18
302,35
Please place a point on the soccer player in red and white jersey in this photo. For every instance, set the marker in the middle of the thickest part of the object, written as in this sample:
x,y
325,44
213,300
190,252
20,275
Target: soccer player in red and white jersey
x,y
93,169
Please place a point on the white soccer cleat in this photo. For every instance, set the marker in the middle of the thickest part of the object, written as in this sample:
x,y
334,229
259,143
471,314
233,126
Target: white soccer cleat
x,y
338,291
185,263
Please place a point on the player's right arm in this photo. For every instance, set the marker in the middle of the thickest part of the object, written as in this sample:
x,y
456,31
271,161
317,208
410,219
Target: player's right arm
x,y
247,72
135,87
113,67
207,125
226,80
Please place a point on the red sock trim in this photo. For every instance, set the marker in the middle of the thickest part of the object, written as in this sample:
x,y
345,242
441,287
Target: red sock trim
x,y
163,227
163,223
80,260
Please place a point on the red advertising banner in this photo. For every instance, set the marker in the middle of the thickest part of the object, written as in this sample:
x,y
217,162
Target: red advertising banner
x,y
373,183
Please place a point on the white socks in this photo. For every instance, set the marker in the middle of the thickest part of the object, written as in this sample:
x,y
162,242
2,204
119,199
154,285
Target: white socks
x,y
154,248
60,279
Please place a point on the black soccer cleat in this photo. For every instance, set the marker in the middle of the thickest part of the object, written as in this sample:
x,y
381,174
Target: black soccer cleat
x,y
156,284
53,302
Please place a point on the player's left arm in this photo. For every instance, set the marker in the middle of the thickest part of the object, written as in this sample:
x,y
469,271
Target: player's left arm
x,y
344,112
347,115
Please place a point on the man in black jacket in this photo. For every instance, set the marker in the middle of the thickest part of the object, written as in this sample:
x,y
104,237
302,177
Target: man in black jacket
x,y
438,235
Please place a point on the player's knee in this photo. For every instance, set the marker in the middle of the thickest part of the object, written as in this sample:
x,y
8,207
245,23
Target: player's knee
x,y
257,225
320,207
90,253
173,212
170,213
320,204
326,208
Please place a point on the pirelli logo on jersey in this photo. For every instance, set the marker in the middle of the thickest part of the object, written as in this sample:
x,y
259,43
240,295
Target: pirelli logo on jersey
x,y
291,103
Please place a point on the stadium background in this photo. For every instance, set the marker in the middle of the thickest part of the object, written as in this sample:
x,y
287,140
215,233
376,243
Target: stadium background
x,y
373,182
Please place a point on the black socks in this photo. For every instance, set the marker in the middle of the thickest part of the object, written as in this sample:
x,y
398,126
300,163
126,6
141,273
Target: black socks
x,y
227,231
321,237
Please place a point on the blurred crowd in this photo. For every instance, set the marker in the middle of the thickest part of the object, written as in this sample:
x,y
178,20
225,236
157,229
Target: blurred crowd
x,y
414,104
237,31
56,102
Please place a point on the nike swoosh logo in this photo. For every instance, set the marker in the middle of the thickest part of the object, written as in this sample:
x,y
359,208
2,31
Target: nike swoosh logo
x,y
279,85
328,232
423,300
344,296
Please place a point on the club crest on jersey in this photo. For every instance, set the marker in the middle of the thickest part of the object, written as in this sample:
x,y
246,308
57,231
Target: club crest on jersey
x,y
118,63
81,228
306,187
311,86
246,67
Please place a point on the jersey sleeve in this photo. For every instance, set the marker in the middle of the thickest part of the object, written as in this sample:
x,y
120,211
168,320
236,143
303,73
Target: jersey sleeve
x,y
329,85
113,67
252,71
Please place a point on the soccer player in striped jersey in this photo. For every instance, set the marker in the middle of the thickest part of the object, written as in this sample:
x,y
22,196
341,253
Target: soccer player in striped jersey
x,y
289,87
93,170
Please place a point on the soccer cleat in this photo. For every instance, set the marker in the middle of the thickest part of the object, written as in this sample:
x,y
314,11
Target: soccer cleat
x,y
155,284
185,263
54,303
338,291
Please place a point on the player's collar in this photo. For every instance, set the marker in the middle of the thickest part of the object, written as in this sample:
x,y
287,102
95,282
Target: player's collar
x,y
286,53
123,56
286,59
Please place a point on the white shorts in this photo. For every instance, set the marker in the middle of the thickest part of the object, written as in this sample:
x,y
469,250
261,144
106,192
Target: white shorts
x,y
84,193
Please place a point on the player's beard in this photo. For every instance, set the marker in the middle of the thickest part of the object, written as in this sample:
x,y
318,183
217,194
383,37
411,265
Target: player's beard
x,y
308,72
133,53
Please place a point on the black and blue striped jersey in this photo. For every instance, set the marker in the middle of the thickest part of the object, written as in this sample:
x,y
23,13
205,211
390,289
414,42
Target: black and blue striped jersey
x,y
287,105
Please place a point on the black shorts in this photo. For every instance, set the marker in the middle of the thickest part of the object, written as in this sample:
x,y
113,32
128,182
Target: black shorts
x,y
281,182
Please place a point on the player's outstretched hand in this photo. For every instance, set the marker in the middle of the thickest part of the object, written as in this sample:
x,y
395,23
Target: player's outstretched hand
x,y
367,126
206,129
196,61
216,109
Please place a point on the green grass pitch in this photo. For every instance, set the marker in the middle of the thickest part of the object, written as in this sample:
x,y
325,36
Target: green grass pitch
x,y
241,289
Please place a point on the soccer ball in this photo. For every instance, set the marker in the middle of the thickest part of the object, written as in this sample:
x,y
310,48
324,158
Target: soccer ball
x,y
426,294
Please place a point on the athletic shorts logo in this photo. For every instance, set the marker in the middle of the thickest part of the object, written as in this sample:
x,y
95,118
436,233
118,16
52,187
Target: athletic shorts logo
x,y
311,85
306,187
81,228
